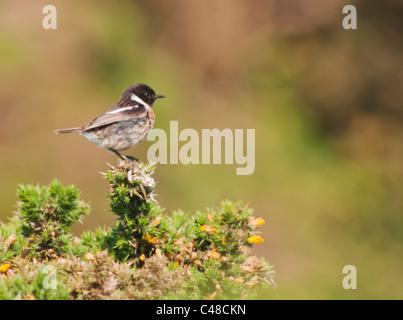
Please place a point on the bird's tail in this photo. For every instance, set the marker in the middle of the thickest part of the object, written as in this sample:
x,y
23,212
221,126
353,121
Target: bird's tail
x,y
76,130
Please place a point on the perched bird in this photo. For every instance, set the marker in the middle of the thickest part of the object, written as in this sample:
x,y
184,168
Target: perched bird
x,y
125,124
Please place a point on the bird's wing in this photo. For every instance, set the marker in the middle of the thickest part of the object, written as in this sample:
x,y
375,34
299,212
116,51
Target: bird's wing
x,y
121,114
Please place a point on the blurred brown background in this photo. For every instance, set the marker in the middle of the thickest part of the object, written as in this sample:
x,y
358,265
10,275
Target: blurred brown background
x,y
326,104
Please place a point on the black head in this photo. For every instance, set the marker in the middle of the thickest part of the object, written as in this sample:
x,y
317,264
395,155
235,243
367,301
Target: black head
x,y
140,92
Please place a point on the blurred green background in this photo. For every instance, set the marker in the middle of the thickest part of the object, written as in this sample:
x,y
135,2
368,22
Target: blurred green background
x,y
326,104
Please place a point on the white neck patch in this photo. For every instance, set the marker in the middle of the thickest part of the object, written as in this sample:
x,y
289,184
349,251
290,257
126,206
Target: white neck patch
x,y
133,97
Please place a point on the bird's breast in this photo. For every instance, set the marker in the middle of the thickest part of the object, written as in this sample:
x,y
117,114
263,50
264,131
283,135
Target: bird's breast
x,y
150,116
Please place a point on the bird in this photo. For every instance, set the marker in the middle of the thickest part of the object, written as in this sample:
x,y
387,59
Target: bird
x,y
123,125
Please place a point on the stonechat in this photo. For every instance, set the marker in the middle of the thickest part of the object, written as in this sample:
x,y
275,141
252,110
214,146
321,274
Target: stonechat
x,y
125,124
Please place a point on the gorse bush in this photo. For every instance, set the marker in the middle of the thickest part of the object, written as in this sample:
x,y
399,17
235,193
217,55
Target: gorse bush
x,y
146,255
46,215
131,194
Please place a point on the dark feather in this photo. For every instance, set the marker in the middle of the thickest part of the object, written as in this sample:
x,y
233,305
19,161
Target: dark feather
x,y
109,118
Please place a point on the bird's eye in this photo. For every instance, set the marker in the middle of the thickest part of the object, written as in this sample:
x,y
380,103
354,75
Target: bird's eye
x,y
146,94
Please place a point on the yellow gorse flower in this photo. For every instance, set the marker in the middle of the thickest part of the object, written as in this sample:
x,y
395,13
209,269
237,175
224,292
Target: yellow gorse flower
x,y
149,238
256,221
213,254
208,229
4,267
255,239
142,257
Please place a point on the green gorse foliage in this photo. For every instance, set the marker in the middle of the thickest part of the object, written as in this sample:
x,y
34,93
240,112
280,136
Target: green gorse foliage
x,y
46,215
146,255
11,245
131,194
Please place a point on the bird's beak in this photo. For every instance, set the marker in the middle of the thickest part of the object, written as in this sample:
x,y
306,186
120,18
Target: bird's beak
x,y
159,96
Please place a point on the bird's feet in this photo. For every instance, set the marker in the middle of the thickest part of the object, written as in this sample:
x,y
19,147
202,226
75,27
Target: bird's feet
x,y
130,159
